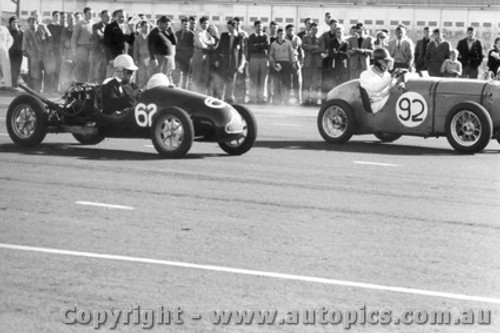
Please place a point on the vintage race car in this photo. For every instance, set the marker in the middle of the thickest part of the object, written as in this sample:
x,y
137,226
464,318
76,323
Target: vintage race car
x,y
466,111
172,118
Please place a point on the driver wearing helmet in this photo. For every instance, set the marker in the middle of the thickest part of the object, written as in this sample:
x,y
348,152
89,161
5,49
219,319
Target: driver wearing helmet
x,y
119,92
377,81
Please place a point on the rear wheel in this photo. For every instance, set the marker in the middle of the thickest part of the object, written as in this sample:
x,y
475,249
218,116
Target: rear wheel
x,y
247,139
88,139
172,132
387,137
336,121
468,128
27,122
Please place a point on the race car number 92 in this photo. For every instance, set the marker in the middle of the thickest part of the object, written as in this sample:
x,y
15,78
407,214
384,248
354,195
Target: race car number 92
x,y
411,109
144,114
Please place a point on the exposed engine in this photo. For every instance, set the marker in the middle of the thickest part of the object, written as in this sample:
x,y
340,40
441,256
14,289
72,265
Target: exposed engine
x,y
81,100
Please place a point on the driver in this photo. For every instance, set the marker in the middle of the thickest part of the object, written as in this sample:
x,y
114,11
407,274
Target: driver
x,y
377,81
119,92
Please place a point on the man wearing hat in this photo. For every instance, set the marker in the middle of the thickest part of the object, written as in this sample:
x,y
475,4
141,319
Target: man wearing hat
x,y
119,92
376,80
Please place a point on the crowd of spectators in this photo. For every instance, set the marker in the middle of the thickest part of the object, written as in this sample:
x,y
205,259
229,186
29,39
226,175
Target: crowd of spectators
x,y
273,64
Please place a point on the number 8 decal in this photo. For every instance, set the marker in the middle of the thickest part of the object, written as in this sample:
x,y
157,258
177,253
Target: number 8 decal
x,y
411,109
144,114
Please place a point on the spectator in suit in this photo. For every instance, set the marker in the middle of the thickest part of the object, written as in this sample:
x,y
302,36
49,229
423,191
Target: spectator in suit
x,y
6,42
494,57
328,37
420,49
360,48
161,43
313,46
307,28
114,39
401,49
16,50
204,43
296,70
33,50
82,42
437,52
141,54
273,35
183,55
283,59
55,29
98,54
45,40
337,52
229,59
258,46
470,54
242,89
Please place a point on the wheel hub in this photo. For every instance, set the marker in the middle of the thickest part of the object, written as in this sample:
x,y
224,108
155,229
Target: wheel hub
x,y
24,121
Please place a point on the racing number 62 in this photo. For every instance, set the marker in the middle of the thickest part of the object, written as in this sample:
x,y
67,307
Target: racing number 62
x,y
144,114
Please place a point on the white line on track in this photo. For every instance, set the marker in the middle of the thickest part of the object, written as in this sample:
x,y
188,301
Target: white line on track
x,y
274,275
149,146
4,134
283,124
374,163
98,204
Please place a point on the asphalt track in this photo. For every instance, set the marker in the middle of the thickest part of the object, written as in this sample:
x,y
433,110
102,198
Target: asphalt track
x,y
294,224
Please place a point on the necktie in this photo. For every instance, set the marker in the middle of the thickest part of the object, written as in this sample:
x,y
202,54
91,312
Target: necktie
x,y
399,44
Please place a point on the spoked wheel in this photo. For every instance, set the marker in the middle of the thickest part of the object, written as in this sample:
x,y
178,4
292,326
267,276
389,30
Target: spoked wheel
x,y
468,128
27,122
247,139
387,137
336,121
172,132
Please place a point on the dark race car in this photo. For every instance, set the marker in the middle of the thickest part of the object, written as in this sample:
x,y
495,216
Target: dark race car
x,y
172,118
466,111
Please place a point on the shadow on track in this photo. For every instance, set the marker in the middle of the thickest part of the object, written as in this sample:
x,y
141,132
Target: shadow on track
x,y
86,153
367,146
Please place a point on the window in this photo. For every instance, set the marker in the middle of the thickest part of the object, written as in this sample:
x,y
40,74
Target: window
x,y
459,24
24,12
394,22
353,22
433,24
368,22
406,23
46,13
215,18
253,19
341,21
448,24
289,20
475,24
264,19
486,25
279,20
170,16
315,20
149,16
379,22
421,23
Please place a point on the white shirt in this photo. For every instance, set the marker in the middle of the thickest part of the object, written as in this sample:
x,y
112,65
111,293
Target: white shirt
x,y
378,87
6,39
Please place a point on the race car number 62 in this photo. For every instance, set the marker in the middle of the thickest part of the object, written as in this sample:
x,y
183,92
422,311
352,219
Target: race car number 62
x,y
144,114
411,109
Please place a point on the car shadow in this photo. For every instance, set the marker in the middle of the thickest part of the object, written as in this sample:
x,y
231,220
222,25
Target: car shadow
x,y
367,146
95,153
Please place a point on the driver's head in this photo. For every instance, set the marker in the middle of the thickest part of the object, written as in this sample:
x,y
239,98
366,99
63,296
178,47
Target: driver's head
x,y
124,67
382,59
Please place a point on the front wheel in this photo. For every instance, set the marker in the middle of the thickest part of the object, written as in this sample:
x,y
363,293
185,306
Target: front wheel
x,y
387,137
247,139
27,121
468,128
336,121
88,139
172,132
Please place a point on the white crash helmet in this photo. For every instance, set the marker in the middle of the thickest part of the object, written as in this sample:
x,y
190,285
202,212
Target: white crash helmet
x,y
124,61
158,80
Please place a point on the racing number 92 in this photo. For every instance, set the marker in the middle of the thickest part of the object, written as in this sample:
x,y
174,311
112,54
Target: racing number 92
x,y
411,109
144,114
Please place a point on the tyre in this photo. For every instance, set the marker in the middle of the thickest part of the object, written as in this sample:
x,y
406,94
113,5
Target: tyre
x,y
246,141
88,139
336,121
468,128
172,132
387,137
27,121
